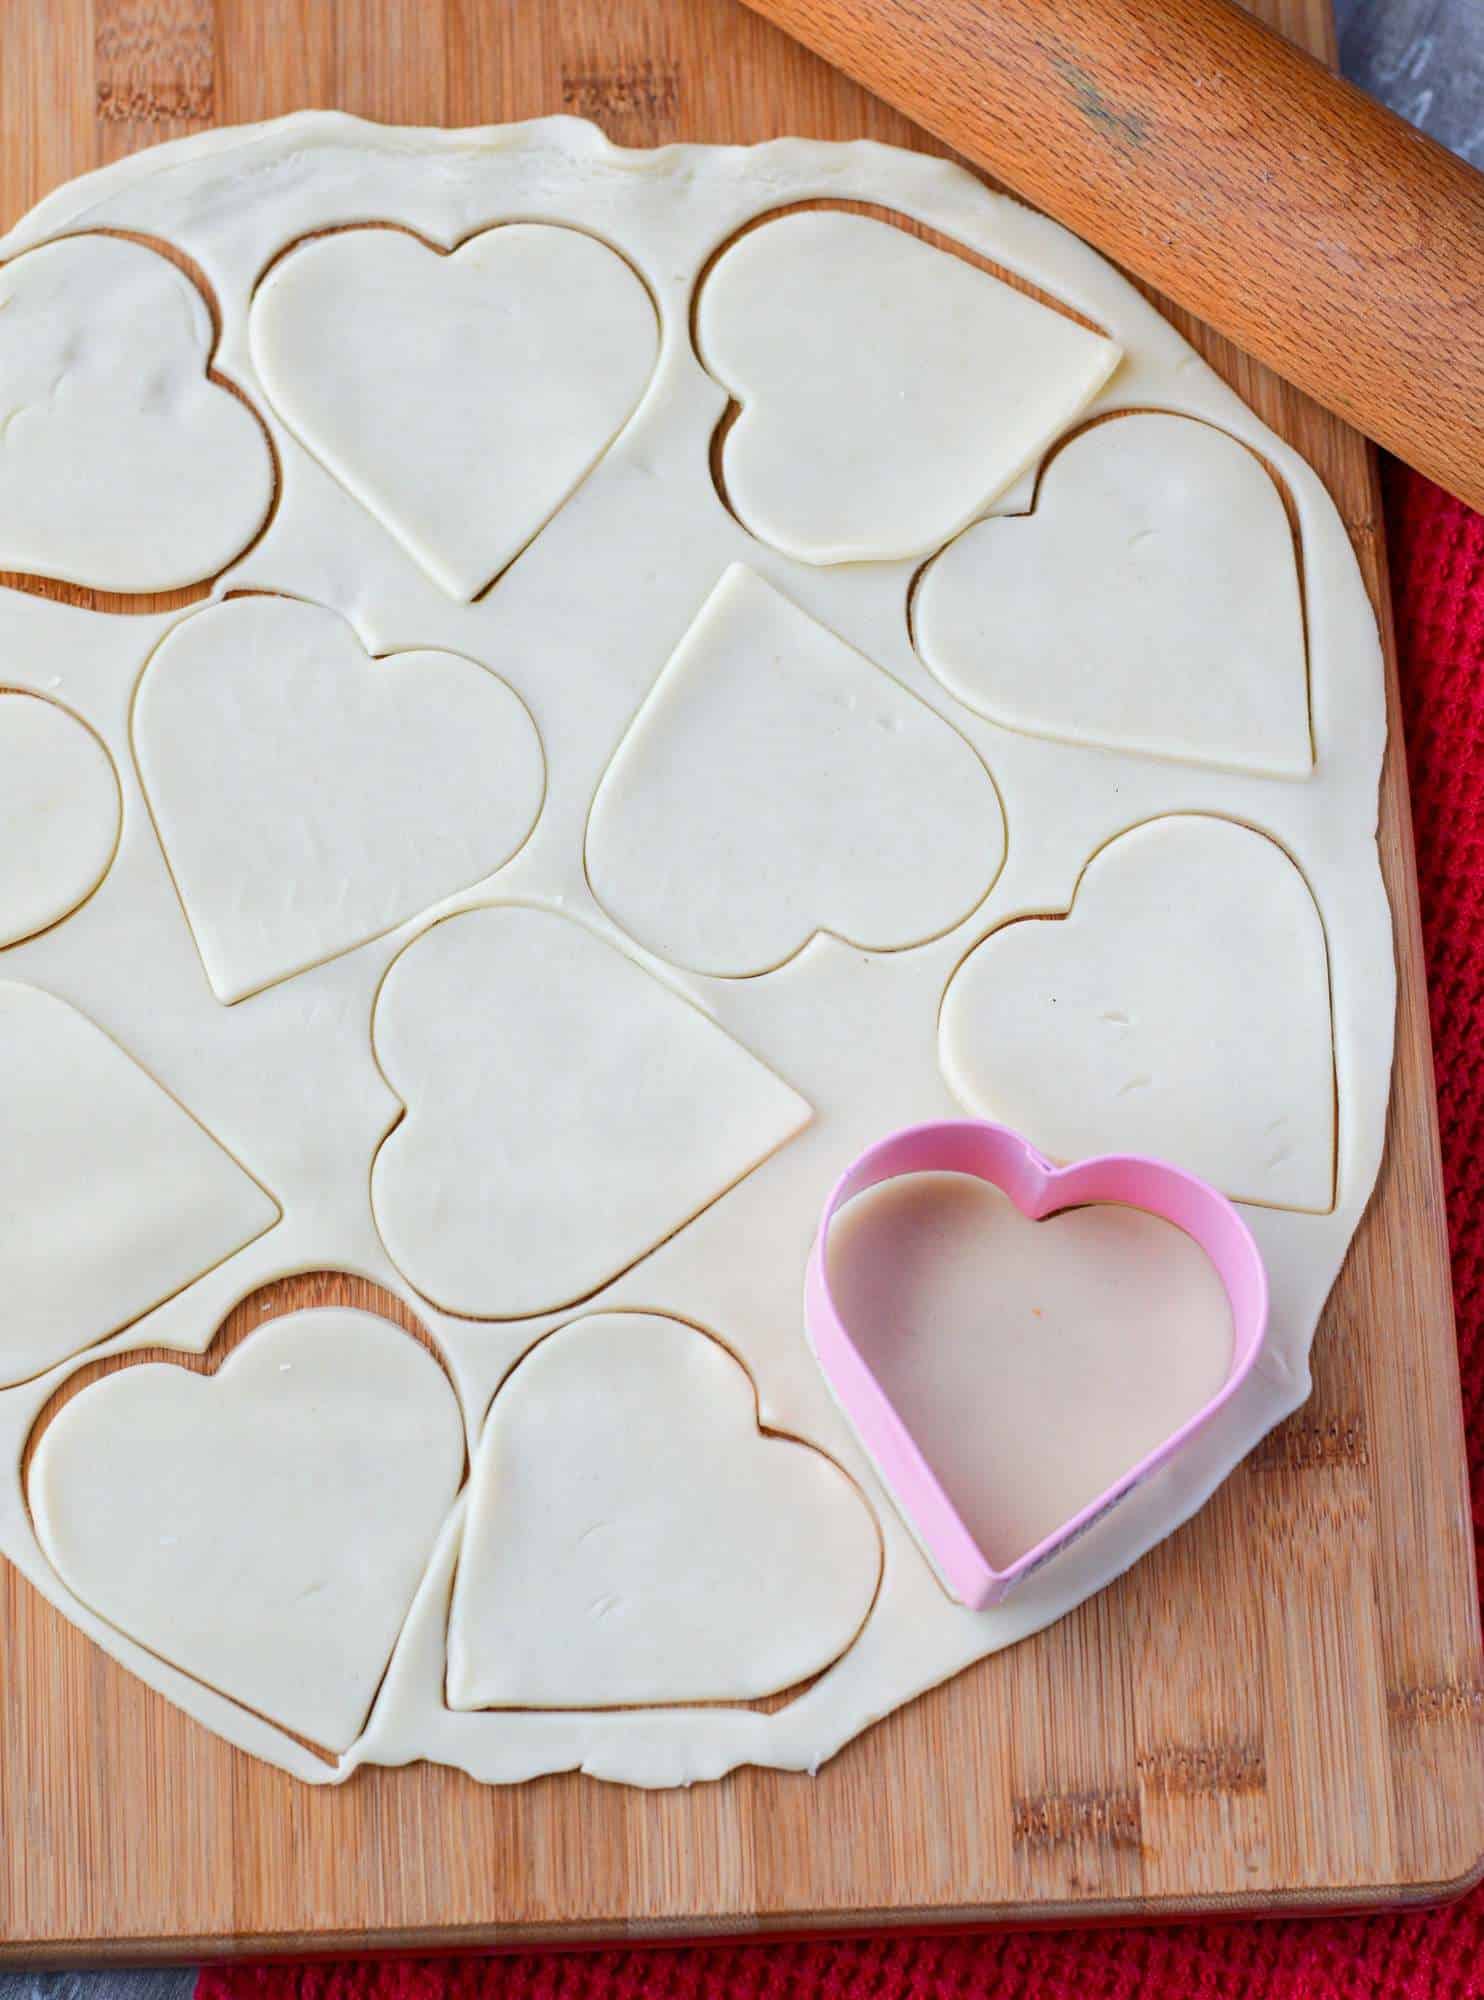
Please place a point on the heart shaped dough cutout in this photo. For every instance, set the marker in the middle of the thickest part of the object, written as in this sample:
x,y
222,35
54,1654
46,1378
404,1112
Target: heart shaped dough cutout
x,y
1150,602
1034,1364
888,390
776,783
565,1112
462,397
292,776
113,1200
59,814
634,1537
122,466
264,1528
1180,1008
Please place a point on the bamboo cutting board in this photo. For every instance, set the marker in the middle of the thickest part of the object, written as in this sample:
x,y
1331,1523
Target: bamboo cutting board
x,y
1283,1705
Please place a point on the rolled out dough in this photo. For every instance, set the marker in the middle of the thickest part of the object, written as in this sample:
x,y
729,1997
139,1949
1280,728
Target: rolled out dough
x,y
1180,1008
309,797
888,389
1118,614
121,465
461,397
111,1196
633,1537
59,814
263,1528
498,1102
565,1112
776,784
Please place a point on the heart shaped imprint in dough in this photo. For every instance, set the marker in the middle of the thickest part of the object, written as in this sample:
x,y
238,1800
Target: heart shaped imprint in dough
x,y
1180,1008
264,1528
777,783
114,1199
1034,1364
460,397
59,814
634,1537
888,390
565,1112
1150,602
309,797
122,466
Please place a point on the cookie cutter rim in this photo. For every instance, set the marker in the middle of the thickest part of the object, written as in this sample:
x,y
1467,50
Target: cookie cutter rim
x,y
1005,1159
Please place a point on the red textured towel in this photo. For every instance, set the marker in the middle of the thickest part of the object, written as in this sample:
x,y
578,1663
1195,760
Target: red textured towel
x,y
1437,554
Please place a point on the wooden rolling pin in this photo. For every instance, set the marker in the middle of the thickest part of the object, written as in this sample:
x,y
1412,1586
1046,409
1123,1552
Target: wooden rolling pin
x,y
1211,158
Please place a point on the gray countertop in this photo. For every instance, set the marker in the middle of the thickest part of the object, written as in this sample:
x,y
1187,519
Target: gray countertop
x,y
1425,58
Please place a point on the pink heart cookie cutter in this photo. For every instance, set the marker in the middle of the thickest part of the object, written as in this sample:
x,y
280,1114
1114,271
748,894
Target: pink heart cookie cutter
x,y
1006,1160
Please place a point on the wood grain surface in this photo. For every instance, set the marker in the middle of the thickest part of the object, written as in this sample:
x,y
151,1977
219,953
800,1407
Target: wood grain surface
x,y
1281,1706
1289,210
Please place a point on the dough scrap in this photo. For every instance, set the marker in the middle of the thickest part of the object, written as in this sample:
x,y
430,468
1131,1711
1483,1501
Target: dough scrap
x,y
1180,1008
888,389
464,397
263,1528
585,1579
291,776
59,814
122,466
565,1112
1150,602
112,1197
776,783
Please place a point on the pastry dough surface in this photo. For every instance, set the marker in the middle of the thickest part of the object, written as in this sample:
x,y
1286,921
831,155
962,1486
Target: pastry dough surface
x,y
613,1593
461,397
1116,615
777,784
266,1527
483,1091
111,1196
309,797
1180,1008
888,389
121,465
59,814
565,1113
